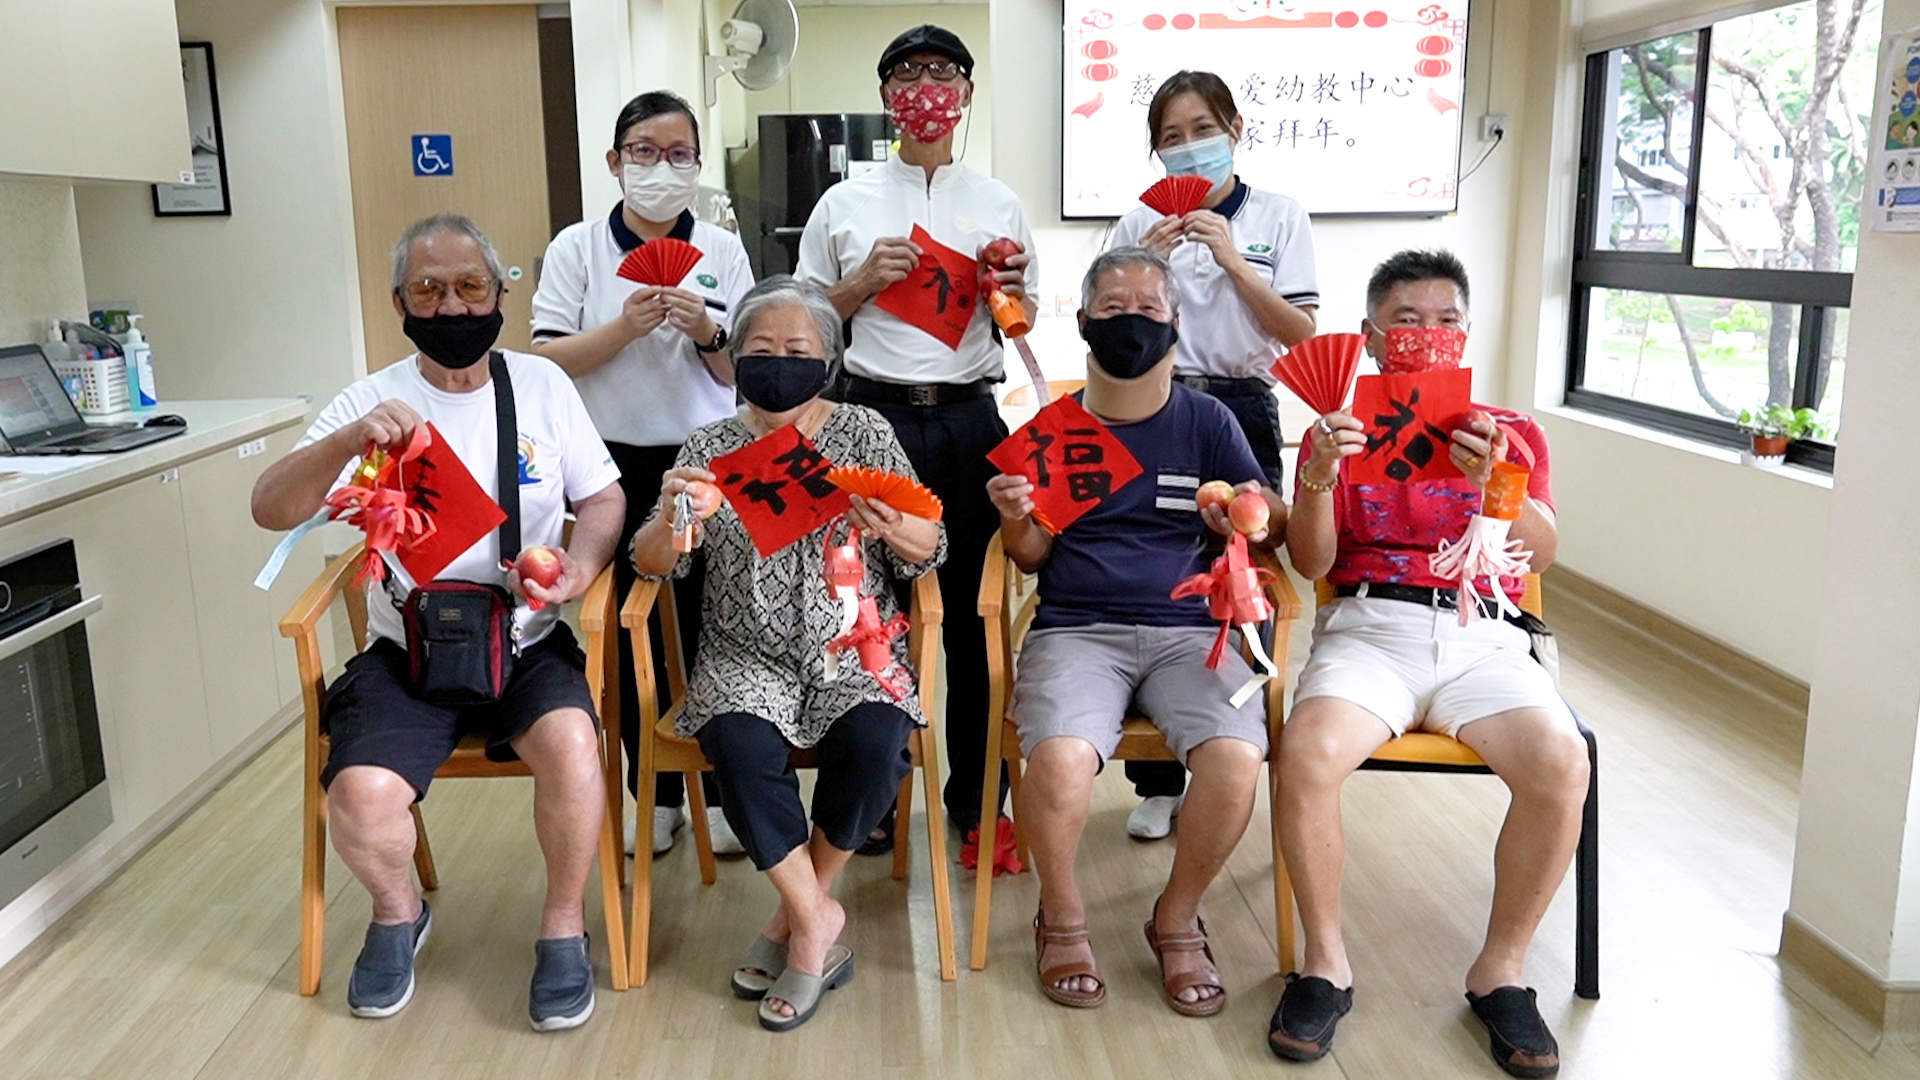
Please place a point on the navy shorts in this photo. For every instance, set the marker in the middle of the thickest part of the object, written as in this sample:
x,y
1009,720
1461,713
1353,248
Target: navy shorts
x,y
373,718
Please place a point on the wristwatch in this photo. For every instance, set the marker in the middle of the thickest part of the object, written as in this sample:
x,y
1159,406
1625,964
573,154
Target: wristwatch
x,y
719,341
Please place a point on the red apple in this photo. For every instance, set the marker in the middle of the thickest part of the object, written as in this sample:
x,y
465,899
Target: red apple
x,y
706,498
540,565
1248,511
1214,493
997,252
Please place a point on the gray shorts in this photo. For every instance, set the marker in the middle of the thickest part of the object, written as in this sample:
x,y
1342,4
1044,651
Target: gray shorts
x,y
1081,681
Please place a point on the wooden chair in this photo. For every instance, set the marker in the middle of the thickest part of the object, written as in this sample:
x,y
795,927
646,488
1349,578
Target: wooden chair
x,y
468,760
1008,607
1423,751
664,750
1023,393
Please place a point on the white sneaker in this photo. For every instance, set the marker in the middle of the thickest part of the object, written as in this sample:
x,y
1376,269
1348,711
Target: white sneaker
x,y
666,821
1153,818
724,841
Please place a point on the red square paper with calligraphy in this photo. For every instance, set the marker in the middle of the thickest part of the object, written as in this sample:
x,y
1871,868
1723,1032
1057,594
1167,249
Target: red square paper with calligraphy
x,y
1410,420
778,487
1070,458
939,295
438,484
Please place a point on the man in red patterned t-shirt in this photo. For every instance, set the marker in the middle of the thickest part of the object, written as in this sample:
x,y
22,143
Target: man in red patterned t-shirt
x,y
1391,656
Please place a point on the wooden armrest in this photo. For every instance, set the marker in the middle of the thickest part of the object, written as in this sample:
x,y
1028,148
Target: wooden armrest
x,y
306,611
597,602
993,580
639,603
928,609
1280,591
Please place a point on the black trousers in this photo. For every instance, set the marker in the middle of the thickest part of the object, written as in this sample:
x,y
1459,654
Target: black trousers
x,y
641,468
1259,416
863,758
948,446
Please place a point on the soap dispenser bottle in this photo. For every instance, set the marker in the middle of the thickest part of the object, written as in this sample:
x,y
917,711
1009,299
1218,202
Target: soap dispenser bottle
x,y
139,366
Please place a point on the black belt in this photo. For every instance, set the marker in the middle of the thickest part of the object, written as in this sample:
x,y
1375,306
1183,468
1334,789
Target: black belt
x,y
1219,387
873,392
1447,599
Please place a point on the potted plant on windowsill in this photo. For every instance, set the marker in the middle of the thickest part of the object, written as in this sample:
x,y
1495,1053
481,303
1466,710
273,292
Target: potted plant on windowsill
x,y
1774,426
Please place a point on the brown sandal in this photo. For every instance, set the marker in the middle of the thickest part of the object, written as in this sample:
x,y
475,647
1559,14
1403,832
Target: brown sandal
x,y
1172,986
1043,936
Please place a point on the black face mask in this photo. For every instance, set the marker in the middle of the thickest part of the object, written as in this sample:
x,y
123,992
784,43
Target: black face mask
x,y
779,383
454,341
1128,346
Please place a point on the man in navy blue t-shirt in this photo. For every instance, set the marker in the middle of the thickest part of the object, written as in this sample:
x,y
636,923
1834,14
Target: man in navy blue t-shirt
x,y
1109,639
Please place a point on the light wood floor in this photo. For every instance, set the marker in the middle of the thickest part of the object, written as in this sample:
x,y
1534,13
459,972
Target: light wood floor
x,y
184,966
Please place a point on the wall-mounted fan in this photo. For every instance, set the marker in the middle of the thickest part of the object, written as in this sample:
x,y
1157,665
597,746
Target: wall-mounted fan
x,y
760,39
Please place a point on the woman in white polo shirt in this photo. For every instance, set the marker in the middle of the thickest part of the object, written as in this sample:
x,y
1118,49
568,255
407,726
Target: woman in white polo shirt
x,y
649,362
1248,292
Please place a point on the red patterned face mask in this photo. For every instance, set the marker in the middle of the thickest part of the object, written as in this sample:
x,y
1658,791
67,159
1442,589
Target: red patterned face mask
x,y
1413,349
925,112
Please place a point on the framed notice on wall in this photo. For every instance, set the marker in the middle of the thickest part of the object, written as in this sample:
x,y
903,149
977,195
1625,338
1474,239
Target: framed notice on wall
x,y
207,193
1349,109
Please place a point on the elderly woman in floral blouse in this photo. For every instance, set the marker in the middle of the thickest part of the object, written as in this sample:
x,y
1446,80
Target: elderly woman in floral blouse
x,y
760,686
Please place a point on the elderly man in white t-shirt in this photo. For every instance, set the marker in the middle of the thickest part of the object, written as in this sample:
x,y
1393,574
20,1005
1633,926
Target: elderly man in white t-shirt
x,y
387,742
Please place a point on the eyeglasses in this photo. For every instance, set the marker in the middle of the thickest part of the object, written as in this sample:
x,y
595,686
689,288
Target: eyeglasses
x,y
941,70
424,293
649,155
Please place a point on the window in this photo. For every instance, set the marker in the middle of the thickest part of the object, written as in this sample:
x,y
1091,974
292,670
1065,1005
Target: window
x,y
1714,246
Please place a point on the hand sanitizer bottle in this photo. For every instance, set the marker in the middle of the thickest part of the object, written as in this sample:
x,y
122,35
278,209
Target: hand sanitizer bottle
x,y
139,367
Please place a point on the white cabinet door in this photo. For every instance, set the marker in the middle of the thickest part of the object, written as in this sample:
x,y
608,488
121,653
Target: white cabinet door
x,y
301,568
234,619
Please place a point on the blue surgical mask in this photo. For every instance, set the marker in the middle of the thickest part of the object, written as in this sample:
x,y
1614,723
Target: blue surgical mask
x,y
1211,158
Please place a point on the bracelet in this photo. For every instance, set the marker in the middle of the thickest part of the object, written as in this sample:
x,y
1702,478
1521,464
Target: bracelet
x,y
1319,489
719,341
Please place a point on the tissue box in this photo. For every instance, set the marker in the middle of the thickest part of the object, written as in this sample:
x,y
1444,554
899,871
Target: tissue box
x,y
102,384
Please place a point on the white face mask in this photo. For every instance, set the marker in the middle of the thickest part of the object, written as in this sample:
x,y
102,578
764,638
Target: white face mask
x,y
658,192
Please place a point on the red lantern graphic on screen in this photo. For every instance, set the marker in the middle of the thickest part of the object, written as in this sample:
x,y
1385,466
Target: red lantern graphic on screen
x,y
1346,20
1184,22
1100,72
1101,50
1154,22
1434,45
1431,69
1376,19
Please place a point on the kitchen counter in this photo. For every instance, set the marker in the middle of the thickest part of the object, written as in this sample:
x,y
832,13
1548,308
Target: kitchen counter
x,y
30,485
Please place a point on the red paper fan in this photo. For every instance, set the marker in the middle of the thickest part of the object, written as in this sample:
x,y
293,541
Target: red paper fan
x,y
904,495
664,262
1321,369
1177,195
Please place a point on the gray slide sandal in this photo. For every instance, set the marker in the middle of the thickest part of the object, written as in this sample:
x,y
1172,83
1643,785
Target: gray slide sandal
x,y
758,969
804,991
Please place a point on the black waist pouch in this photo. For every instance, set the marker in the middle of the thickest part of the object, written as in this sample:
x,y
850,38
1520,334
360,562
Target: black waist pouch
x,y
461,641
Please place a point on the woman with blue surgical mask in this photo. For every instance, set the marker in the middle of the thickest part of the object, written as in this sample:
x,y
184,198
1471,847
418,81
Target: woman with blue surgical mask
x,y
1243,263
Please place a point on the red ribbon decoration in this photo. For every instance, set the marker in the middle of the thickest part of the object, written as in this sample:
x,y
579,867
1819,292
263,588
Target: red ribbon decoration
x,y
376,502
872,640
1006,853
1235,592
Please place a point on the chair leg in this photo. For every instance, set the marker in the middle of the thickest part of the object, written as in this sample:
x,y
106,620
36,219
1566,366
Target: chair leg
x,y
697,813
640,922
612,869
902,817
1586,874
313,884
989,833
936,851
1019,838
1283,921
423,853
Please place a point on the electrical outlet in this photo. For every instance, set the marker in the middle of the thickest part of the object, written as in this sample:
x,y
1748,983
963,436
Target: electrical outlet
x,y
1493,126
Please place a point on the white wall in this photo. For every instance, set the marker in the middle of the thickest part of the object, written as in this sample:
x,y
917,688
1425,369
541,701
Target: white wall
x,y
40,276
263,303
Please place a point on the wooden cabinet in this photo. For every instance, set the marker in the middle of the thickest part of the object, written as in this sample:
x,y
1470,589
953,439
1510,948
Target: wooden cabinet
x,y
93,90
233,619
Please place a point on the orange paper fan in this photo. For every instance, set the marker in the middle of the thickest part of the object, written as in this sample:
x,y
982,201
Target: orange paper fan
x,y
664,262
1177,195
904,495
1321,369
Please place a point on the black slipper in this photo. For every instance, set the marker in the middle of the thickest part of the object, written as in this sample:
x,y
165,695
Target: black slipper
x,y
878,844
1516,1033
1303,1022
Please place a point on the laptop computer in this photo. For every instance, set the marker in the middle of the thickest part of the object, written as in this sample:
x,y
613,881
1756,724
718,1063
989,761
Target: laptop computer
x,y
37,416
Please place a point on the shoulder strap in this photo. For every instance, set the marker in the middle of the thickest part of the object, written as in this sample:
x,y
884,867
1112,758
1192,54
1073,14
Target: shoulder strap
x,y
508,452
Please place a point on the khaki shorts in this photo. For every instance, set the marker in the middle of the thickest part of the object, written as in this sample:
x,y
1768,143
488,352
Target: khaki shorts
x,y
1081,681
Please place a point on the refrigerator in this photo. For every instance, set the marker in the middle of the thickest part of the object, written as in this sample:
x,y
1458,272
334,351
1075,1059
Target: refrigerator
x,y
797,157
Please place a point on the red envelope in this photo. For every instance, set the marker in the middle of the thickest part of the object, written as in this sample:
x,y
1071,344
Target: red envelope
x,y
940,295
1070,458
778,487
439,485
1410,420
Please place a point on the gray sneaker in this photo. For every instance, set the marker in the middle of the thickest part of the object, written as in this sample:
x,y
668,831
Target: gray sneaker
x,y
382,981
562,993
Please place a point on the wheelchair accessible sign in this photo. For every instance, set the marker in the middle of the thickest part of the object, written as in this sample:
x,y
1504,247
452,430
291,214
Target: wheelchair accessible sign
x,y
432,155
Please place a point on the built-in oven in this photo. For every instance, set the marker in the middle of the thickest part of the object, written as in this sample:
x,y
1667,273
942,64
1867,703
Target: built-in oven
x,y
53,790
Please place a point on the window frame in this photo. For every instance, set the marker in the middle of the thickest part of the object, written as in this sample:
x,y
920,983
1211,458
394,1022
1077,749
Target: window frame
x,y
1815,292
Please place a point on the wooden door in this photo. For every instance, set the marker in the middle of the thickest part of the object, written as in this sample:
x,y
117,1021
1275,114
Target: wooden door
x,y
472,73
